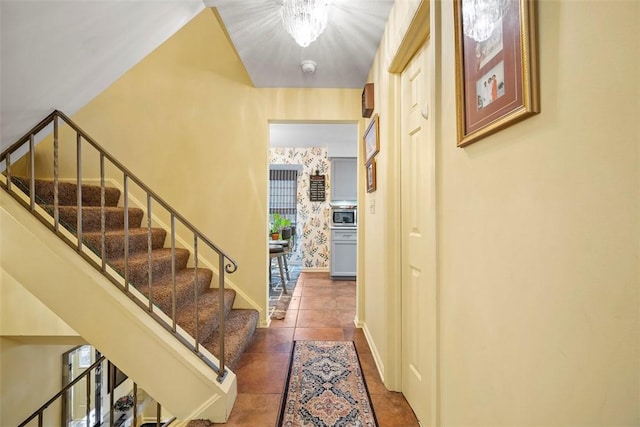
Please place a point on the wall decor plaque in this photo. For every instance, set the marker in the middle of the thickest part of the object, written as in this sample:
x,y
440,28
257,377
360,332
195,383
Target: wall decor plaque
x,y
317,189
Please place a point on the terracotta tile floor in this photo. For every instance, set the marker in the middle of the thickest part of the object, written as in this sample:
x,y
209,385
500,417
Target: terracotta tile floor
x,y
320,309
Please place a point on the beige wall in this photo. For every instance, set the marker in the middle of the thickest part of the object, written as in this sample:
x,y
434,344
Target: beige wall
x,y
23,315
538,234
31,375
378,255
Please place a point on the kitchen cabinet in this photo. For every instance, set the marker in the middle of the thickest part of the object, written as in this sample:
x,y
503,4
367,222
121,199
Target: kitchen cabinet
x,y
344,253
344,172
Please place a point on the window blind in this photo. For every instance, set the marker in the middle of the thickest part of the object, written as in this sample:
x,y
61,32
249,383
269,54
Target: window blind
x,y
283,190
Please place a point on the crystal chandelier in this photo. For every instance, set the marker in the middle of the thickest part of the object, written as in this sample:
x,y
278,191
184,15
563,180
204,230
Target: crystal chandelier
x,y
480,17
305,20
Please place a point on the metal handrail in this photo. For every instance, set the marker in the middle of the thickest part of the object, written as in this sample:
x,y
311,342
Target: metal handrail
x,y
226,264
39,413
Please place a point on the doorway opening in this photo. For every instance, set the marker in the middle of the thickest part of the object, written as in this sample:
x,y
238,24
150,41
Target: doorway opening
x,y
300,166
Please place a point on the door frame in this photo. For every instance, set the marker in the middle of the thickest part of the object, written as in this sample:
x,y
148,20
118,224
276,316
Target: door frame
x,y
431,10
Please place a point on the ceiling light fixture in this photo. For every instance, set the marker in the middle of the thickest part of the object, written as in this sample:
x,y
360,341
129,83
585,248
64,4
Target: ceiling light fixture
x,y
308,66
305,20
480,17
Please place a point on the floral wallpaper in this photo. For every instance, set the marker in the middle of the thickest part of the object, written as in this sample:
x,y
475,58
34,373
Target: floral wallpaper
x,y
312,226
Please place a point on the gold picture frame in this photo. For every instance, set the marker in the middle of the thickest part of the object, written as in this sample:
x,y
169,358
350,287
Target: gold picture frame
x,y
371,139
496,79
371,176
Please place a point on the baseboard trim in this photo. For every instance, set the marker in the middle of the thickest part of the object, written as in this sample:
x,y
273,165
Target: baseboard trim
x,y
374,352
314,270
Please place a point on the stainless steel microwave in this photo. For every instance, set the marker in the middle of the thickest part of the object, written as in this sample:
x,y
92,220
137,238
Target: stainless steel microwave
x,y
344,217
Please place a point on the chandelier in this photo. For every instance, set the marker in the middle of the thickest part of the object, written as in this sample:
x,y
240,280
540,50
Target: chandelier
x,y
305,20
480,17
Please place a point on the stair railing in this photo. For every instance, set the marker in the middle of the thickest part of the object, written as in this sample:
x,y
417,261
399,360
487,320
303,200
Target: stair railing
x,y
225,263
89,390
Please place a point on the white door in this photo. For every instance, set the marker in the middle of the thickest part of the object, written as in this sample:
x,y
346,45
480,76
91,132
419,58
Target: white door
x,y
418,244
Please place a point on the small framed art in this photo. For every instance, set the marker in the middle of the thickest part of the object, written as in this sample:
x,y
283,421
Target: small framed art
x,y
371,176
371,140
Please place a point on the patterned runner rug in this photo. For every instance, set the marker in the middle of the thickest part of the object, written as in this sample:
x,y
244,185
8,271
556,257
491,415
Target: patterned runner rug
x,y
325,387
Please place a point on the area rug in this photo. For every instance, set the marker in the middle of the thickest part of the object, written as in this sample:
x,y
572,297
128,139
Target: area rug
x,y
325,387
278,300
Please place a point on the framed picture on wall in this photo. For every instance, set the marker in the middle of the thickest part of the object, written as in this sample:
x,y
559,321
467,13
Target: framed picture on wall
x,y
371,140
496,68
371,176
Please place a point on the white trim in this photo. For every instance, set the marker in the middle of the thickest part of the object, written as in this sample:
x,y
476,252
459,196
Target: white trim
x,y
314,270
374,352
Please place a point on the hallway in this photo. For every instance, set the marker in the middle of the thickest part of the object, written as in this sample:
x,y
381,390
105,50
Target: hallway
x,y
320,309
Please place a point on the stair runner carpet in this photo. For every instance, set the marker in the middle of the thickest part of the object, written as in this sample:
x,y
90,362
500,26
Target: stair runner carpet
x,y
240,324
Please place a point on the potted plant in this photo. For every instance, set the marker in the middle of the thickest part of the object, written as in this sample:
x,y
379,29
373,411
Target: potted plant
x,y
285,231
280,227
275,231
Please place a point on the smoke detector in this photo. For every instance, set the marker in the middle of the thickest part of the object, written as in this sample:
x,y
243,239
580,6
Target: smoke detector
x,y
308,66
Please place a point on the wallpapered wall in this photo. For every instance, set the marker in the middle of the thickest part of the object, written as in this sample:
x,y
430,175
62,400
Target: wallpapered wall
x,y
312,225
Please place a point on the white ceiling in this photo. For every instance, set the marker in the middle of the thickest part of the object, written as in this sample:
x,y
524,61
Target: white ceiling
x,y
339,139
60,54
343,53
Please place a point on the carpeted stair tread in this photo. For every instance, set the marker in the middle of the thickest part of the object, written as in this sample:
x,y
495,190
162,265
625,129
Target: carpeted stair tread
x,y
160,262
114,217
239,325
67,195
208,309
161,290
114,241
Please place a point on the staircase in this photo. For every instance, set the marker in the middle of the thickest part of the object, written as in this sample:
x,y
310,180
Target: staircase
x,y
156,270
240,324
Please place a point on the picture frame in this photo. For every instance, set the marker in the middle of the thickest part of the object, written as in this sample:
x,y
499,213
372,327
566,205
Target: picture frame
x,y
371,176
497,81
371,139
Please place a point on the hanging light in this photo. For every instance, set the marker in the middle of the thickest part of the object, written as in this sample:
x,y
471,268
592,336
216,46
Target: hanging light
x,y
480,17
305,20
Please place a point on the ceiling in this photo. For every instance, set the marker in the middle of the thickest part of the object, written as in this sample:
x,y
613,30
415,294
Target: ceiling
x,y
343,53
62,53
338,138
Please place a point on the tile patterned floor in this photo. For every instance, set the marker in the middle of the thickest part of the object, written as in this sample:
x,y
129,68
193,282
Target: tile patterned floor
x,y
320,309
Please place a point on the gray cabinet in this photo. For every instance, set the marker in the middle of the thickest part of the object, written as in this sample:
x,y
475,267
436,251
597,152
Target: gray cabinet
x,y
344,253
344,172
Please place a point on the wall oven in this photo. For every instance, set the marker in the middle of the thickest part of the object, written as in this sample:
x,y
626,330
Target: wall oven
x,y
344,217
